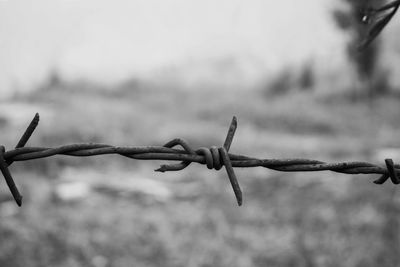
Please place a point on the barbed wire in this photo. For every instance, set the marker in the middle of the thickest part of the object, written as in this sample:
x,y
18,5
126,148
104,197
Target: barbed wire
x,y
213,157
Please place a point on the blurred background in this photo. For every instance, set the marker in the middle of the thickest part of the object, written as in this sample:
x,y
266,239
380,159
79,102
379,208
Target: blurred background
x,y
145,72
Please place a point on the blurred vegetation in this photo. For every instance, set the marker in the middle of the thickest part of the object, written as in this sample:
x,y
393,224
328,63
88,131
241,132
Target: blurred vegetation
x,y
288,219
290,80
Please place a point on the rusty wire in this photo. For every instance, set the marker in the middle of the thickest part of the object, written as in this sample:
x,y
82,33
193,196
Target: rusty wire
x,y
213,157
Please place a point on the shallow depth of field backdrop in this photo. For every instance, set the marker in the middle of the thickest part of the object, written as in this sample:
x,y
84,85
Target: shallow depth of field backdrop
x,y
145,72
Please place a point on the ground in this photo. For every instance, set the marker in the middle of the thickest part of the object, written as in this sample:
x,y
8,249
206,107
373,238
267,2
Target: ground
x,y
113,211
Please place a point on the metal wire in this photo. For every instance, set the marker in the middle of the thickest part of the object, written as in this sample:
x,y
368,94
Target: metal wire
x,y
213,158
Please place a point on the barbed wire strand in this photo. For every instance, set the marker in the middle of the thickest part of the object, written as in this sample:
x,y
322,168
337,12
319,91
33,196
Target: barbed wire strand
x,y
213,157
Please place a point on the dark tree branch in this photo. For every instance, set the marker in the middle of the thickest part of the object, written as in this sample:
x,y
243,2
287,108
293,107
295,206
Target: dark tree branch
x,y
377,18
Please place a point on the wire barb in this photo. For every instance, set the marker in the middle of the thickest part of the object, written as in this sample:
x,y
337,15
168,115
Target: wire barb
x,y
27,134
5,163
9,180
213,157
223,151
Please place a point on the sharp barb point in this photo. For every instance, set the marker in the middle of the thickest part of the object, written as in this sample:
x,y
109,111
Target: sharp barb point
x,y
230,134
19,201
382,179
7,176
231,175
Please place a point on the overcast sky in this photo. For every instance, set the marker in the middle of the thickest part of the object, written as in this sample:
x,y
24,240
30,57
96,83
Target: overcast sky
x,y
109,41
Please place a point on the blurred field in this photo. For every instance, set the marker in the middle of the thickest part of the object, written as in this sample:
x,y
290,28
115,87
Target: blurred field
x,y
121,213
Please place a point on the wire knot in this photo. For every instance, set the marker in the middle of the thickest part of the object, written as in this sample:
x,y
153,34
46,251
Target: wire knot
x,y
214,158
391,173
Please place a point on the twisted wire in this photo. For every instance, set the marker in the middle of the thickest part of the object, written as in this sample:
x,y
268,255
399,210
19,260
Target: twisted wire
x,y
213,157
